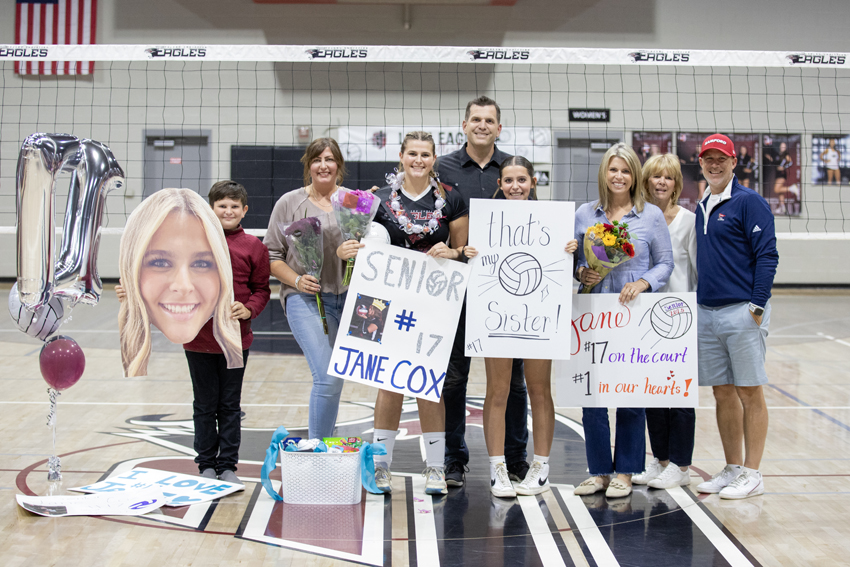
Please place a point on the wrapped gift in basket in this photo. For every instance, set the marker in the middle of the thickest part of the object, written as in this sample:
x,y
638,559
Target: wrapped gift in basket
x,y
313,474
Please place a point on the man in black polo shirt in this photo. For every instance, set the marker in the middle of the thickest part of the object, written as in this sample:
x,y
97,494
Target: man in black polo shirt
x,y
473,171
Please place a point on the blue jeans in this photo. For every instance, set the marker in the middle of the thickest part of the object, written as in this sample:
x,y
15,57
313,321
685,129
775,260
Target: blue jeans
x,y
629,445
306,324
454,398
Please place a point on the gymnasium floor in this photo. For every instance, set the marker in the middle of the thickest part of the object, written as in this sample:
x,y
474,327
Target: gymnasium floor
x,y
107,423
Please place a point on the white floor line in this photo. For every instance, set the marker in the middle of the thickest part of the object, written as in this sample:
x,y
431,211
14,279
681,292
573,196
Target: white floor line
x,y
714,534
587,528
543,538
839,341
427,552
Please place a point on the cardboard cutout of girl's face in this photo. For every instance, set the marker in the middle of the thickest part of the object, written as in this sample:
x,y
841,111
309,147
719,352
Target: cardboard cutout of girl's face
x,y
179,279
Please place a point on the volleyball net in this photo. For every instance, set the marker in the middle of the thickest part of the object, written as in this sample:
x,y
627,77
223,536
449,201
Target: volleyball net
x,y
187,116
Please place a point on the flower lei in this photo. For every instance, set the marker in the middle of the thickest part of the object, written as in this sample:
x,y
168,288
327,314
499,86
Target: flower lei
x,y
395,181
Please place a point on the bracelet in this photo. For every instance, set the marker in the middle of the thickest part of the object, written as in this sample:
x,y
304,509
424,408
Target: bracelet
x,y
648,287
298,279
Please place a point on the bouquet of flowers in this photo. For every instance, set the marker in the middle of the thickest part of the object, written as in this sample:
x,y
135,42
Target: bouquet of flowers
x,y
305,238
354,211
606,246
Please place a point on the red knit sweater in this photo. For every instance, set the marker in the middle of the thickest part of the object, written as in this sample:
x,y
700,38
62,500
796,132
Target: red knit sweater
x,y
250,261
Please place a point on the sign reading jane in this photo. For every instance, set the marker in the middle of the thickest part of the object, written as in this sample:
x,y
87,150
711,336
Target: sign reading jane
x,y
520,292
643,354
399,320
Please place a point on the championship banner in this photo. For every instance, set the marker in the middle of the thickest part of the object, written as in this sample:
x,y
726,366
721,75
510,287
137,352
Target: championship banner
x,y
643,354
520,297
178,489
399,321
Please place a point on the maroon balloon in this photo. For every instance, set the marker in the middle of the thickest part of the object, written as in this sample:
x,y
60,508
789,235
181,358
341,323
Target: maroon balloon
x,y
62,362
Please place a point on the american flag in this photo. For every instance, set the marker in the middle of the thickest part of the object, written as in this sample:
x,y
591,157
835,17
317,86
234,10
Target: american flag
x,y
55,22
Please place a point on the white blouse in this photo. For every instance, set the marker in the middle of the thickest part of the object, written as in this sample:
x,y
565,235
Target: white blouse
x,y
683,236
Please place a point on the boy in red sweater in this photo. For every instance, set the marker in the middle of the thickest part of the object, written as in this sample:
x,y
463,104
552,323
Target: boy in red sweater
x,y
217,389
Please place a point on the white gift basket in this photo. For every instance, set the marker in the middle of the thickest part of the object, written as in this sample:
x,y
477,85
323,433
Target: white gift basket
x,y
320,478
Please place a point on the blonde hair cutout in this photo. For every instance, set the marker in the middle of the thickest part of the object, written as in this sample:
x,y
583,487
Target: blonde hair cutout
x,y
133,320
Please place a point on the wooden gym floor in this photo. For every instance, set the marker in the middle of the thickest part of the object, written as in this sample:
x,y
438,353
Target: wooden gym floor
x,y
107,423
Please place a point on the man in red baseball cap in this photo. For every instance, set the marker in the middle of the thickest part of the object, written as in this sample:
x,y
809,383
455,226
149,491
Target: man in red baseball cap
x,y
718,142
736,263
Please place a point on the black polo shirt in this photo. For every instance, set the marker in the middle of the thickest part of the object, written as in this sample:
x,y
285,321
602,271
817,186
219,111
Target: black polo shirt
x,y
462,174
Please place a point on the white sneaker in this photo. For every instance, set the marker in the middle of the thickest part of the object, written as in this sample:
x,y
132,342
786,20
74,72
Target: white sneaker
x,y
435,480
536,480
671,477
745,485
500,482
383,479
652,471
721,480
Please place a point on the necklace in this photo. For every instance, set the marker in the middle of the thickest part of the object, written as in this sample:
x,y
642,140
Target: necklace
x,y
316,197
405,222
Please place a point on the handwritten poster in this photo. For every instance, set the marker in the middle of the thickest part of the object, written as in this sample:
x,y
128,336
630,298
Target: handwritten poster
x,y
399,320
133,503
178,489
643,354
520,291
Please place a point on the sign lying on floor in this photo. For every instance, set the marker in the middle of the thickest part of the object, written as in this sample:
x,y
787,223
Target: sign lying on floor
x,y
178,489
133,503
640,355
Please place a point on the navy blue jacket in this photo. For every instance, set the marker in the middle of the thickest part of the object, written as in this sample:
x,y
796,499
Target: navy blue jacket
x,y
736,249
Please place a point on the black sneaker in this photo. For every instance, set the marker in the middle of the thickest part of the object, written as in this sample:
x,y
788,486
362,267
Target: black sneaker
x,y
518,470
455,474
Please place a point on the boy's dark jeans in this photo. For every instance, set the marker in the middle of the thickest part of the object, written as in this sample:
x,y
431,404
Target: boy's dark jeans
x,y
216,410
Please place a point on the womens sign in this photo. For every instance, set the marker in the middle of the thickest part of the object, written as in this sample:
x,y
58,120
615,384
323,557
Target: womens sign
x,y
399,319
643,354
520,295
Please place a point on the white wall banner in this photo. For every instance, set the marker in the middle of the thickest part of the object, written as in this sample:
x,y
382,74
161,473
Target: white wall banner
x,y
643,354
520,293
399,320
179,489
383,143
133,503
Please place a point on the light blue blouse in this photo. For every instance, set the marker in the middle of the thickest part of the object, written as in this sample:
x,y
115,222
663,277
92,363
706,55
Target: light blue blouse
x,y
653,259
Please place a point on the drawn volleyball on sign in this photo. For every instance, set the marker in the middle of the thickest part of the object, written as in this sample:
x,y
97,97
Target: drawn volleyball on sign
x,y
520,274
671,318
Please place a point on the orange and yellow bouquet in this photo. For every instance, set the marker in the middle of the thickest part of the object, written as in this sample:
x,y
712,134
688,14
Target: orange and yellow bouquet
x,y
606,246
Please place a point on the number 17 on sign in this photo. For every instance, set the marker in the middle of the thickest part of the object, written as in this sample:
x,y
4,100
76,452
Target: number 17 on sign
x,y
581,377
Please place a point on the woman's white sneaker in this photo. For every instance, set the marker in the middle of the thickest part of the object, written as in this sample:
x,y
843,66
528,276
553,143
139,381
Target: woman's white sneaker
x,y
671,477
653,470
500,482
536,480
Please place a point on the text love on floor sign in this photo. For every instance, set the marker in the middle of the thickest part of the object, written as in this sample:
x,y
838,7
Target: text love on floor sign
x,y
643,354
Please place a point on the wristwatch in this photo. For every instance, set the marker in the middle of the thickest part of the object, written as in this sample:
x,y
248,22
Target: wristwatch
x,y
756,310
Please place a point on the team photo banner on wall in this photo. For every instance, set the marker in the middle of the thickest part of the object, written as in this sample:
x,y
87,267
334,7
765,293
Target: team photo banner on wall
x,y
643,354
520,297
399,321
382,143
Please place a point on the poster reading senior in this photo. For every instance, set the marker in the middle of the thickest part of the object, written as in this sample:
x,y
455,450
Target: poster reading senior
x,y
520,290
399,321
643,354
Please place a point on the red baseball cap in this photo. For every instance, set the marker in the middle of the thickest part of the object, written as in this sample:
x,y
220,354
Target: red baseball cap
x,y
718,142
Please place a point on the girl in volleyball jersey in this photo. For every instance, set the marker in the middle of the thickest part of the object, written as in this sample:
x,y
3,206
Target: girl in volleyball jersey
x,y
416,212
779,188
831,157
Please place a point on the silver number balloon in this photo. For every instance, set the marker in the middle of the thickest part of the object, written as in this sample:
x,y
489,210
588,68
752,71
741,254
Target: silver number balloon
x,y
94,173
